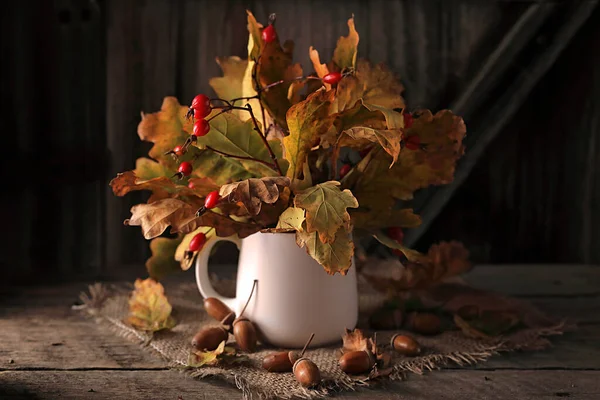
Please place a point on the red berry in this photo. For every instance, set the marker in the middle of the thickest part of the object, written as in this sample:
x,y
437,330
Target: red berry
x,y
408,120
191,185
332,78
344,170
396,233
197,242
412,142
178,151
398,252
212,199
201,106
200,101
269,34
185,168
201,127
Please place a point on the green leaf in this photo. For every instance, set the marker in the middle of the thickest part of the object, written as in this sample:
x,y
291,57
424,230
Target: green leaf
x,y
307,120
335,256
344,55
149,309
291,219
166,129
326,209
162,262
230,135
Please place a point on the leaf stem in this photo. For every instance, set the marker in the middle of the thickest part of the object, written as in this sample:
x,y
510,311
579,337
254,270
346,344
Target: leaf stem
x,y
268,164
307,344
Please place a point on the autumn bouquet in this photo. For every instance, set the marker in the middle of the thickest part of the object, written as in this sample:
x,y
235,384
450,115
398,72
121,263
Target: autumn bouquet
x,y
330,156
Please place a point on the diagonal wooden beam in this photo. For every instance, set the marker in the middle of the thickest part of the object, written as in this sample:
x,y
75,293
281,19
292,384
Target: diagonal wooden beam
x,y
500,88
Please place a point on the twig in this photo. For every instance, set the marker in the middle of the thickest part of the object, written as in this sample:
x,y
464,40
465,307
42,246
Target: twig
x,y
263,138
241,157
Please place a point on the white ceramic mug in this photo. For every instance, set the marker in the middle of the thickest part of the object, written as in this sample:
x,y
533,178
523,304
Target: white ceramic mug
x,y
294,296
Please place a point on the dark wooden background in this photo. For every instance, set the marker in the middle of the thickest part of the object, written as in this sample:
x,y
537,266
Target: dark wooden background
x,y
77,73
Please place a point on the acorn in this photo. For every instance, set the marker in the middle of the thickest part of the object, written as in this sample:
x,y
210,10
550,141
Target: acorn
x,y
284,361
244,333
306,372
209,338
386,319
405,345
357,362
218,310
279,362
424,323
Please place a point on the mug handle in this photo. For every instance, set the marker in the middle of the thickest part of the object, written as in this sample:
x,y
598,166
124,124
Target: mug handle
x,y
202,278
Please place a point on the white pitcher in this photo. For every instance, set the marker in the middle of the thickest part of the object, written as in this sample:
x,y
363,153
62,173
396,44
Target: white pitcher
x,y
294,296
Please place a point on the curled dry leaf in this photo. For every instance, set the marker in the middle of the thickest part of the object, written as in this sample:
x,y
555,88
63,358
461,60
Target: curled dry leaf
x,y
419,271
154,219
221,355
253,192
149,309
344,55
356,340
326,209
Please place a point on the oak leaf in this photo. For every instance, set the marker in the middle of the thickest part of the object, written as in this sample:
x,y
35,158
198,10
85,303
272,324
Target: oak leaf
x,y
307,120
149,309
355,340
155,218
166,128
320,69
378,187
291,219
228,134
326,208
487,324
162,261
274,64
375,85
221,355
335,256
344,55
253,192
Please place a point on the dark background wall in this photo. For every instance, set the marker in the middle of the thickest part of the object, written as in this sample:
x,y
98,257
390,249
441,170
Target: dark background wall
x,y
77,73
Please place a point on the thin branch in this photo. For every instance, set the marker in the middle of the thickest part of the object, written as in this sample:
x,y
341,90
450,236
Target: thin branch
x,y
240,157
263,138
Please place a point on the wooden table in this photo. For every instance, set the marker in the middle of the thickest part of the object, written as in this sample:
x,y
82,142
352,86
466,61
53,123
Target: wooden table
x,y
48,351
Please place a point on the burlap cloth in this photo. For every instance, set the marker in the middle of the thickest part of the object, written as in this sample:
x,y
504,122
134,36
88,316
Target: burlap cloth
x,y
109,305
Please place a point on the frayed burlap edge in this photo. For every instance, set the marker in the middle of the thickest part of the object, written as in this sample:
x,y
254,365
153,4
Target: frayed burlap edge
x,y
529,339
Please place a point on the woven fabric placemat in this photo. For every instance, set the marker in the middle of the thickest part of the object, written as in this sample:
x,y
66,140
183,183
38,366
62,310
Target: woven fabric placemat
x,y
108,304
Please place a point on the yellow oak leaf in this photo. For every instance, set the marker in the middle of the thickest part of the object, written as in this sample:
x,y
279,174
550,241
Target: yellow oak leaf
x,y
149,309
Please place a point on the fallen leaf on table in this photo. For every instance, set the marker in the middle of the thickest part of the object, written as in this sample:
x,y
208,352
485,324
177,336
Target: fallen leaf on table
x,y
149,309
355,340
222,354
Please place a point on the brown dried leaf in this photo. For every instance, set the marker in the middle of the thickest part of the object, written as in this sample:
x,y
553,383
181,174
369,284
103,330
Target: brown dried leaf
x,y
356,340
154,218
344,55
149,309
221,355
253,192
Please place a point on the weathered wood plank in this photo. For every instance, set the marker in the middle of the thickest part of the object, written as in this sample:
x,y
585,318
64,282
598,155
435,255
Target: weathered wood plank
x,y
132,385
537,280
